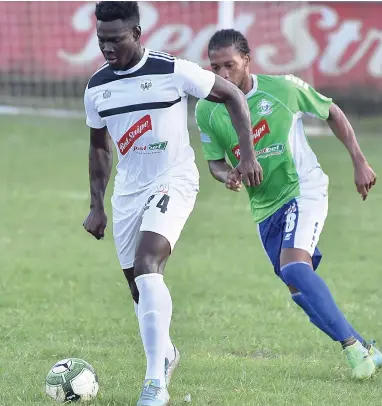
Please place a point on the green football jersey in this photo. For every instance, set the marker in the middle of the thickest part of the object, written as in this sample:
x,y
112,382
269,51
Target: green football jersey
x,y
290,169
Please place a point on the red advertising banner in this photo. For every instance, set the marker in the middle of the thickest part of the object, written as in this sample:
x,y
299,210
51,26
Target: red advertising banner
x,y
332,44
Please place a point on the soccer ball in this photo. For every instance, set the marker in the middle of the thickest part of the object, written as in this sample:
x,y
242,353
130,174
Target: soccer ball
x,y
72,379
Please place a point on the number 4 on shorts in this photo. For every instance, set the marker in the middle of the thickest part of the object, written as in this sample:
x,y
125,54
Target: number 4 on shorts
x,y
163,202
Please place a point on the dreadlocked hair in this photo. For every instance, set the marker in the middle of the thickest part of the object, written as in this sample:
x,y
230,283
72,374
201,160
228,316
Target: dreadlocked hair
x,y
229,37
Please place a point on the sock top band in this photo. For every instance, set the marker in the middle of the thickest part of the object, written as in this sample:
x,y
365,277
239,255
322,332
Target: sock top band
x,y
148,275
294,263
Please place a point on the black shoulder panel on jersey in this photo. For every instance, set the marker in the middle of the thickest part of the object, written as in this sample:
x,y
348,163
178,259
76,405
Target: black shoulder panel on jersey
x,y
153,66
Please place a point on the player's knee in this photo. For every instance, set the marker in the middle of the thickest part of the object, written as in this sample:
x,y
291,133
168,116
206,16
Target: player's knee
x,y
145,264
292,289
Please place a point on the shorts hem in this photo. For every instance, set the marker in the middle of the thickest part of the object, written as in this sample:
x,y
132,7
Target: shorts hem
x,y
309,250
127,265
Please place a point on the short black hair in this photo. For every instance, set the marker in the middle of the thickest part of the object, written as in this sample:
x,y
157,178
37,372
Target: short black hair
x,y
229,37
118,10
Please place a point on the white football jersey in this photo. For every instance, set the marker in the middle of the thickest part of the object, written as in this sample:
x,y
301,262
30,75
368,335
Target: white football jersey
x,y
145,111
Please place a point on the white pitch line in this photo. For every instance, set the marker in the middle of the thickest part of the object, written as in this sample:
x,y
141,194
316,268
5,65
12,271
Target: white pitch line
x,y
29,111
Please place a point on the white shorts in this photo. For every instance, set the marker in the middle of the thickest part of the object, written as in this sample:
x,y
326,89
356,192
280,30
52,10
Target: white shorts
x,y
304,223
163,209
298,224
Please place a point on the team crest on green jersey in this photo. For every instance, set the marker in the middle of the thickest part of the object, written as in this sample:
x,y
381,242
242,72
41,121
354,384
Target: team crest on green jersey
x,y
265,107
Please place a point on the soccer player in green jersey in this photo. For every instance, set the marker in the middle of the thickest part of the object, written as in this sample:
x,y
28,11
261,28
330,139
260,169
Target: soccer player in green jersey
x,y
290,205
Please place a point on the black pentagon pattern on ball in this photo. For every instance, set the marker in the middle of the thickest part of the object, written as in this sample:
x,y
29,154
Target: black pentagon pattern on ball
x,y
70,396
65,365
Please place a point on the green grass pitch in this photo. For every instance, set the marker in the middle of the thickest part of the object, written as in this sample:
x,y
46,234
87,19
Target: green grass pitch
x,y
243,341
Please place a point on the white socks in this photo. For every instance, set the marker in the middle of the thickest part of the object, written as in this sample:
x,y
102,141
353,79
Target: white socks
x,y
170,350
154,316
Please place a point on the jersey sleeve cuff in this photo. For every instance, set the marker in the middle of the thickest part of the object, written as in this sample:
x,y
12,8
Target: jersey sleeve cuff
x,y
91,124
209,84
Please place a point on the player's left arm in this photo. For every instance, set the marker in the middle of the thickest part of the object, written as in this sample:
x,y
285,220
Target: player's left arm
x,y
311,102
204,84
364,177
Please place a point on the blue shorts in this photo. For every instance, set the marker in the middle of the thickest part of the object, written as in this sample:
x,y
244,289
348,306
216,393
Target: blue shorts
x,y
298,224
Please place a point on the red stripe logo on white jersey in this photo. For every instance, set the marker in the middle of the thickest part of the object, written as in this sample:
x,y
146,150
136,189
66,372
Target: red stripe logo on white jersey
x,y
134,133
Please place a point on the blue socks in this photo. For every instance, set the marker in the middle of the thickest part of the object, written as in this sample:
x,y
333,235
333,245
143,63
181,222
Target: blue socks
x,y
300,300
317,299
356,335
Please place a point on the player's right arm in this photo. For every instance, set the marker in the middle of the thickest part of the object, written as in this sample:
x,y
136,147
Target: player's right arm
x,y
213,151
100,165
311,102
364,176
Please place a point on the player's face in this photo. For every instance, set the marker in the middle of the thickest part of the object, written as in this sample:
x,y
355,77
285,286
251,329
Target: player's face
x,y
230,64
118,42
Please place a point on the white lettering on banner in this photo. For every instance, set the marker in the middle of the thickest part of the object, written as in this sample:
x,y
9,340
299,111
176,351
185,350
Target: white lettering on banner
x,y
375,65
295,34
338,43
180,33
197,49
81,22
295,28
149,16
349,32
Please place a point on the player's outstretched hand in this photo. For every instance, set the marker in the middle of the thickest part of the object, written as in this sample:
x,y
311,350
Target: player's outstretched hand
x,y
364,178
233,182
95,223
250,170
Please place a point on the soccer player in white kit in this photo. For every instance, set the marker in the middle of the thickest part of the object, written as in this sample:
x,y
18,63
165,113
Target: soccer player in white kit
x,y
139,98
